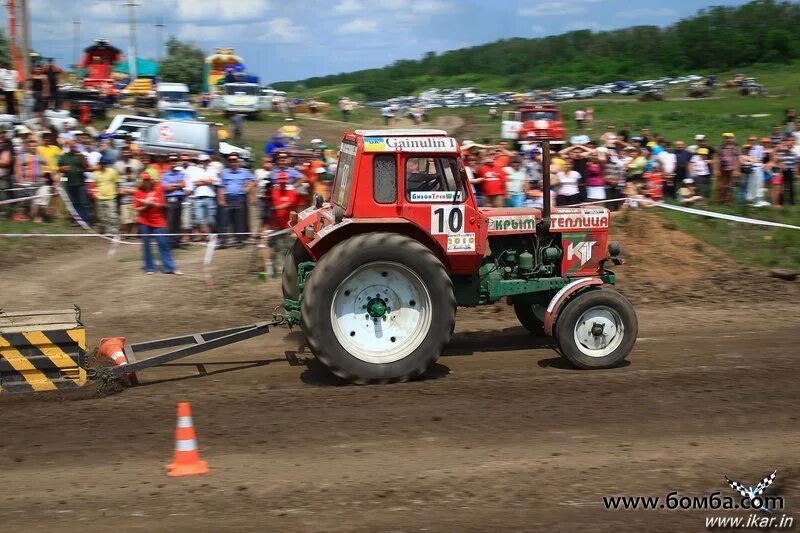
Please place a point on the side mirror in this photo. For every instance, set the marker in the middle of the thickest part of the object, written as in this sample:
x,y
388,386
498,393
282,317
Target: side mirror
x,y
338,214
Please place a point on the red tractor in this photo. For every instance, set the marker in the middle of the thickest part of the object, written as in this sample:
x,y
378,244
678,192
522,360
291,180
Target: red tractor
x,y
533,122
98,62
376,275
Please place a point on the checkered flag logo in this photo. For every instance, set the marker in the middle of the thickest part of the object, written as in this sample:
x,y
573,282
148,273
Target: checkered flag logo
x,y
752,491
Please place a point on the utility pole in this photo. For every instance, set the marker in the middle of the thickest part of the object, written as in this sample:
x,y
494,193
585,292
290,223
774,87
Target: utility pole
x,y
13,36
25,45
131,5
159,39
76,43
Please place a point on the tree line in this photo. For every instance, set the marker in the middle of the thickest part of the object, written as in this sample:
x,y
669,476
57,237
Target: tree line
x,y
721,37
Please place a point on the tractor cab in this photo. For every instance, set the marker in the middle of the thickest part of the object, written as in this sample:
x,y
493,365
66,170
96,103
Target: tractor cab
x,y
412,181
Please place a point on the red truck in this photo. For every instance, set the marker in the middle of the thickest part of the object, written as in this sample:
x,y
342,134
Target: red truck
x,y
533,122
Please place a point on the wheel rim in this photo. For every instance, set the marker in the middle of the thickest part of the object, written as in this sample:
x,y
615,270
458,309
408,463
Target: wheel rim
x,y
381,312
599,331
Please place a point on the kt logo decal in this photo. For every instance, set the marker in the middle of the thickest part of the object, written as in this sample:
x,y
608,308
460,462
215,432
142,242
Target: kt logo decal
x,y
581,250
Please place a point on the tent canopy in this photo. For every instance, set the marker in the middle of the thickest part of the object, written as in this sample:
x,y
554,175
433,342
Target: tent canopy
x,y
144,67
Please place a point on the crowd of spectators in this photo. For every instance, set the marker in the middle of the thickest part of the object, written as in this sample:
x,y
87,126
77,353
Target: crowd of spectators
x,y
624,169
43,86
178,198
173,199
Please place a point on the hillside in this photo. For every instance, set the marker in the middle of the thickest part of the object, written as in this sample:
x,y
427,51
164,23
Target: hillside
x,y
716,38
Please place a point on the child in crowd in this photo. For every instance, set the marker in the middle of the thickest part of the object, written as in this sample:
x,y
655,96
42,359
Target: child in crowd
x,y
127,189
687,195
654,185
535,196
634,197
41,203
777,186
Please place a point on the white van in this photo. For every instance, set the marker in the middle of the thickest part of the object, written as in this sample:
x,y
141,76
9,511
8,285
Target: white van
x,y
269,97
241,97
173,97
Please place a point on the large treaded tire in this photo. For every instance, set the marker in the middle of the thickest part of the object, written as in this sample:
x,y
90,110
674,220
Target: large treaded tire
x,y
335,267
294,256
528,319
599,298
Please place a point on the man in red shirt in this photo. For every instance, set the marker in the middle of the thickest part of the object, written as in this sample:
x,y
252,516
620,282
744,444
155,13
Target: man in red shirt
x,y
502,155
284,198
149,203
493,184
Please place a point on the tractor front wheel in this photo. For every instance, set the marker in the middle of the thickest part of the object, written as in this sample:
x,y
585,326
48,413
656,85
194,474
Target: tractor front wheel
x,y
529,316
597,329
378,308
294,256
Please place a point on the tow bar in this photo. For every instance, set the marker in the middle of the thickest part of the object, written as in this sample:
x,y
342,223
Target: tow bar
x,y
184,346
47,351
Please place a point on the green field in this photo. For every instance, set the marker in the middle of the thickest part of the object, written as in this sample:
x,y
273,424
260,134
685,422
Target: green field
x,y
752,245
678,117
23,246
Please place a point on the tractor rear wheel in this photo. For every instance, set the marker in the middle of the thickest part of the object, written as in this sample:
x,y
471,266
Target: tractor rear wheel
x,y
378,308
294,256
527,316
597,329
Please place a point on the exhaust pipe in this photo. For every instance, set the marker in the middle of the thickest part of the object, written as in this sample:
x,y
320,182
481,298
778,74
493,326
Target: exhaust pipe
x,y
544,225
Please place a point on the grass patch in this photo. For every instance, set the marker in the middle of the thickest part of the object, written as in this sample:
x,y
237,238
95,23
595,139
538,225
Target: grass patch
x,y
677,117
15,244
759,246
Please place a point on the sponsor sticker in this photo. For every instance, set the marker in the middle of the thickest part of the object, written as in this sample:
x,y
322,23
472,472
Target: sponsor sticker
x,y
579,221
434,196
581,250
327,229
165,132
305,213
461,242
512,223
347,148
410,144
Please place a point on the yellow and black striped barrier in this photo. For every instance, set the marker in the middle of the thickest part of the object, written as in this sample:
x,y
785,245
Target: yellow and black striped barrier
x,y
42,351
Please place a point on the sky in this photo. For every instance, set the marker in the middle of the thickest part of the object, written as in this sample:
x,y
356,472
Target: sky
x,y
295,39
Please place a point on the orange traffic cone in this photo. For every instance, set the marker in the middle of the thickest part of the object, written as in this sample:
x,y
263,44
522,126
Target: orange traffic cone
x,y
187,458
113,348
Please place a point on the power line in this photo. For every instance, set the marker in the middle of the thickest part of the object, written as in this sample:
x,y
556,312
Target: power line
x,y
25,47
131,5
160,38
76,42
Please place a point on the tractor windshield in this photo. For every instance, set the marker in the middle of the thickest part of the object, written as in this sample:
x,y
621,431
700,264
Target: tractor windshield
x,y
232,89
539,115
344,175
434,175
174,96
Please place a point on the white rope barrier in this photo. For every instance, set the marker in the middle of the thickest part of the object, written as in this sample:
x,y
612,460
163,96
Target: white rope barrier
x,y
725,216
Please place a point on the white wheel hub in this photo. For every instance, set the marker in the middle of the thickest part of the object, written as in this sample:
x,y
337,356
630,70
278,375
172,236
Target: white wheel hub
x,y
599,331
381,312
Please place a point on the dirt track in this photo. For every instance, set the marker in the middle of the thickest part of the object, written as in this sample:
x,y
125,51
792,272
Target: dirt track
x,y
502,436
